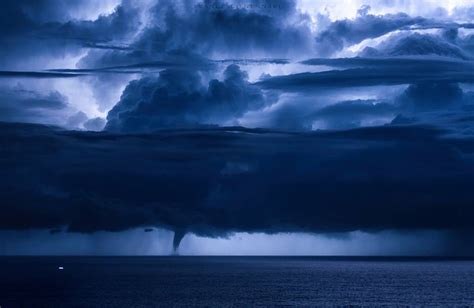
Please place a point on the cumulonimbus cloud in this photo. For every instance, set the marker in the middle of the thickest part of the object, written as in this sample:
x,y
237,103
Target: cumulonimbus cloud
x,y
213,181
166,157
177,98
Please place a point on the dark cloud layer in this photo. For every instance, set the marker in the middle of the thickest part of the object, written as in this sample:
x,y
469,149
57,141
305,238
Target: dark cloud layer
x,y
220,180
376,73
433,64
176,59
30,74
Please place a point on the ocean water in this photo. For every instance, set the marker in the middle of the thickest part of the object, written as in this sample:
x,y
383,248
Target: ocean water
x,y
234,282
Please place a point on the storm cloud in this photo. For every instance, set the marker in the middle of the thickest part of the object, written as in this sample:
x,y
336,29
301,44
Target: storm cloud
x,y
214,181
33,29
345,32
177,98
216,29
214,117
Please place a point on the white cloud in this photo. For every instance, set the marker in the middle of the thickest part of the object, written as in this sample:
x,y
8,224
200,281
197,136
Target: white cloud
x,y
348,8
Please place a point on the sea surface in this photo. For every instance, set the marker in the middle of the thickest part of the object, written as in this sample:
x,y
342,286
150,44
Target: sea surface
x,y
234,282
